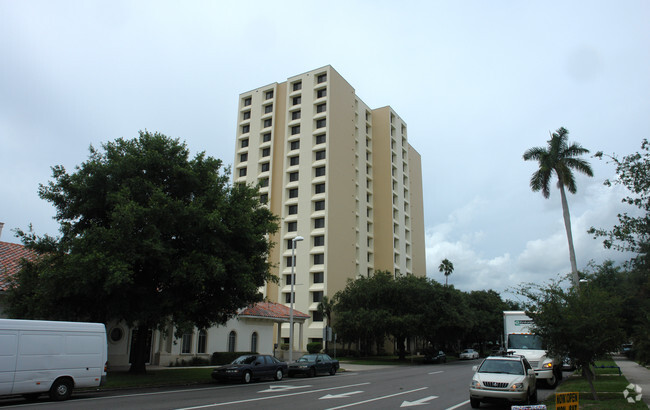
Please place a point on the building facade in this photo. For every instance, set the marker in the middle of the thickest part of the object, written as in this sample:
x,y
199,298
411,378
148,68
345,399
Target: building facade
x,y
338,173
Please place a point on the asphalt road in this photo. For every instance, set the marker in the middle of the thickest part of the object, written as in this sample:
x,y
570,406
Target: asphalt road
x,y
442,386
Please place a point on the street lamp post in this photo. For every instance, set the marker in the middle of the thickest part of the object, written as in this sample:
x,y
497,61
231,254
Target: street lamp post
x,y
293,279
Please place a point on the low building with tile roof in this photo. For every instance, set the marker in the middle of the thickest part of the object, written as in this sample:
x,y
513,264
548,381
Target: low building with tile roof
x,y
11,256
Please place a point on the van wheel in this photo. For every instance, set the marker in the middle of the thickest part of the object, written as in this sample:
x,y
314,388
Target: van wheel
x,y
475,403
552,382
61,390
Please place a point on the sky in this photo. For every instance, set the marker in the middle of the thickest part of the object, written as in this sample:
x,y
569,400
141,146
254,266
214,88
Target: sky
x,y
477,82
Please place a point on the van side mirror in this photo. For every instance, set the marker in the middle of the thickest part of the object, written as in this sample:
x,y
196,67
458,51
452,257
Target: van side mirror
x,y
531,372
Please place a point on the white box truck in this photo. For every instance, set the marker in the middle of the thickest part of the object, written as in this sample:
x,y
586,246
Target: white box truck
x,y
38,357
519,339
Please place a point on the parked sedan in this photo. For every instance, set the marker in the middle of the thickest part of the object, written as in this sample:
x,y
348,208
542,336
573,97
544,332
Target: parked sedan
x,y
310,364
248,367
469,354
439,357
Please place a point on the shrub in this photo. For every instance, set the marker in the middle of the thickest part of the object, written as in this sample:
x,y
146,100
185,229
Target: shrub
x,y
314,347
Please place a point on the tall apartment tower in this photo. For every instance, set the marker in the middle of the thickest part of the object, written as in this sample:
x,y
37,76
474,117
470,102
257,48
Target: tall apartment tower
x,y
338,173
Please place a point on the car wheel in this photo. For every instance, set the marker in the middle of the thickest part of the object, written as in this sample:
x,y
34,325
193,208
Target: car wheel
x,y
559,373
475,403
247,377
552,382
278,375
61,390
533,399
311,373
332,370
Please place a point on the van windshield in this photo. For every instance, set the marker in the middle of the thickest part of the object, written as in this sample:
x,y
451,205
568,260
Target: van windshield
x,y
529,341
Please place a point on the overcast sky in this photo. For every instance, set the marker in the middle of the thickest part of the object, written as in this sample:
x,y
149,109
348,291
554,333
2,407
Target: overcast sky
x,y
477,82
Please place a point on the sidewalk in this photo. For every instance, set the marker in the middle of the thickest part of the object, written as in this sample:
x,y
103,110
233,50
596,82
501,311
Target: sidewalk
x,y
635,373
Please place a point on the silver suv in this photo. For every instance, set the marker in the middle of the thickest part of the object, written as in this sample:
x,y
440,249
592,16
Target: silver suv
x,y
503,378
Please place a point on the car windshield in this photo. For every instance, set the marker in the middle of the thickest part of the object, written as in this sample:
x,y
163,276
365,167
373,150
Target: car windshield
x,y
308,358
528,341
467,351
244,360
501,366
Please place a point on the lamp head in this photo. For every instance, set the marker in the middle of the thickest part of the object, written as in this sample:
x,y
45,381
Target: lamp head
x,y
297,239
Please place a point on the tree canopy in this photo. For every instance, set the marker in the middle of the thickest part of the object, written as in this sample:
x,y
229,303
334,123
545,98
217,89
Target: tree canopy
x,y
148,236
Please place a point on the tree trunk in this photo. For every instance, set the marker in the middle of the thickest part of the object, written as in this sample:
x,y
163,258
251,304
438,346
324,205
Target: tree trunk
x,y
139,360
567,226
589,375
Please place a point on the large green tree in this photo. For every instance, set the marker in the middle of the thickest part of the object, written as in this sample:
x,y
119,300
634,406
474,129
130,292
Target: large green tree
x,y
581,323
560,158
149,236
632,234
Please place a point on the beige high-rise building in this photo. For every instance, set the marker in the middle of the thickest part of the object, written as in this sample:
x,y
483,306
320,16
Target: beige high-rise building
x,y
339,174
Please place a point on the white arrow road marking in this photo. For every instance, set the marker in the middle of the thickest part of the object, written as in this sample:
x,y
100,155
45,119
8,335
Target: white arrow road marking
x,y
420,402
282,388
439,371
377,398
340,396
205,406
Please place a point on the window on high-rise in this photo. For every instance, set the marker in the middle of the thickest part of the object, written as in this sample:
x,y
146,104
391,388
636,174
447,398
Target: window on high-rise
x,y
265,167
243,157
264,182
246,115
293,209
293,193
267,122
319,259
317,297
320,155
321,93
319,205
294,145
268,95
321,107
295,130
294,160
319,277
295,115
297,85
242,172
289,261
247,101
320,139
292,226
266,137
287,297
264,198
321,78
293,176
245,129
321,123
319,188
296,100
268,108
244,143
319,223
266,152
319,171
319,240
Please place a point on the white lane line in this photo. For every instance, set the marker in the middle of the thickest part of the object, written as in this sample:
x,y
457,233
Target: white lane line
x,y
458,405
271,397
439,371
377,398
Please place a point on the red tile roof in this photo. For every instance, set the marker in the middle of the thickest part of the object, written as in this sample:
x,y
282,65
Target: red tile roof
x,y
272,311
10,256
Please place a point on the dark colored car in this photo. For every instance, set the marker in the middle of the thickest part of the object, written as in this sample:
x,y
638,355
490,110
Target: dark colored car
x,y
310,364
439,357
253,366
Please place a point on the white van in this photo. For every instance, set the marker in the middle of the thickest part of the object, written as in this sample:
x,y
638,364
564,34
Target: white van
x,y
38,357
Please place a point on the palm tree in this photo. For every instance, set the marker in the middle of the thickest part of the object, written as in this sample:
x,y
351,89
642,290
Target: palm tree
x,y
560,158
447,267
325,308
